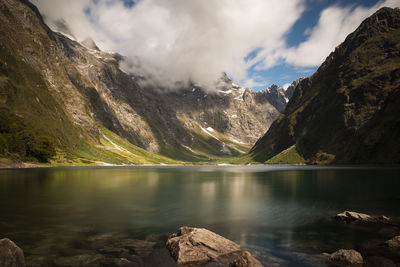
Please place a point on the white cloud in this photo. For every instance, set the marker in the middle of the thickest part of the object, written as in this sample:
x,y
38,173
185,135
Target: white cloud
x,y
195,41
334,24
181,40
253,82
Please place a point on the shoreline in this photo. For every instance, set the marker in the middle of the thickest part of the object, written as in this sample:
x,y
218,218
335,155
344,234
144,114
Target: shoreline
x,y
28,165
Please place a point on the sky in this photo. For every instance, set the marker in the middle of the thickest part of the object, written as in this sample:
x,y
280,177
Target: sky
x,y
182,42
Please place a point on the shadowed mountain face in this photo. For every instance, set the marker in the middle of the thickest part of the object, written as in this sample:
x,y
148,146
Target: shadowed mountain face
x,y
67,92
348,111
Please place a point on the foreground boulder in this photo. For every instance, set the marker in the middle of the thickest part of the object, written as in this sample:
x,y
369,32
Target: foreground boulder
x,y
346,257
10,254
199,246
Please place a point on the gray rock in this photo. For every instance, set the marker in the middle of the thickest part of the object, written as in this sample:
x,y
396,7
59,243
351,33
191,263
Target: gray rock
x,y
245,260
201,247
10,254
353,216
346,257
394,242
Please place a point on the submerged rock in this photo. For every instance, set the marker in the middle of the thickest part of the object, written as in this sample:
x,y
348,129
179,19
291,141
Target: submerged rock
x,y
352,216
376,261
346,257
394,242
199,246
79,260
142,248
95,242
10,254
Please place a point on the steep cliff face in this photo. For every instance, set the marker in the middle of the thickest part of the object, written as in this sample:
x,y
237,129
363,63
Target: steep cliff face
x,y
276,96
347,112
70,92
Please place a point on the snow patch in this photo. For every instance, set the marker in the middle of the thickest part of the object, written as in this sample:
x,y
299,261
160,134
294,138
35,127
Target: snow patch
x,y
225,92
235,85
207,132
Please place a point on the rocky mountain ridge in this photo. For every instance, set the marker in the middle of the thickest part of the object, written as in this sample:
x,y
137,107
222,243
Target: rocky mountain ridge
x,y
347,111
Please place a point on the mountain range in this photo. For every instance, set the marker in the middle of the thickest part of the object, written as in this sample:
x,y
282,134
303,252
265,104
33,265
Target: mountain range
x,y
72,102
69,103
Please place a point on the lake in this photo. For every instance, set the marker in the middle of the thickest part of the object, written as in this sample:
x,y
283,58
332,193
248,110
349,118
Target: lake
x,y
276,212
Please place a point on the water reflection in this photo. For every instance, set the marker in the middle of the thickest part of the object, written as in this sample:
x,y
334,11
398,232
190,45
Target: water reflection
x,y
265,211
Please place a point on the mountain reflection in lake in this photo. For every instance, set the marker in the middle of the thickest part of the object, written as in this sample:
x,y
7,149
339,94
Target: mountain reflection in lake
x,y
272,211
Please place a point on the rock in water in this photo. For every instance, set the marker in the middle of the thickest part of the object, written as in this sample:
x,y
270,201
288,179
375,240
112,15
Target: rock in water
x,y
346,257
353,216
199,246
10,254
394,242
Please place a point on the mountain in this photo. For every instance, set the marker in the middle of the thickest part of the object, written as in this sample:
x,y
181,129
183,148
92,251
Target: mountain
x,y
348,111
290,90
69,102
276,96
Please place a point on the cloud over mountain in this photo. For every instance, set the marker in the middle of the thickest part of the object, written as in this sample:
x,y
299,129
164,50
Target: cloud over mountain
x,y
180,41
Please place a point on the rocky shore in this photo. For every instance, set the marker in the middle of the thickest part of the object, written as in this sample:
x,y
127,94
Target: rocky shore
x,y
191,246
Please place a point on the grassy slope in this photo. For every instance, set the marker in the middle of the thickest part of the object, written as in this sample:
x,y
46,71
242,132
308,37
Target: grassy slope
x,y
288,156
111,149
25,94
206,149
23,91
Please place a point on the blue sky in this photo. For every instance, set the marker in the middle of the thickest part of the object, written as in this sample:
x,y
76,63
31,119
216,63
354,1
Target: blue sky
x,y
257,42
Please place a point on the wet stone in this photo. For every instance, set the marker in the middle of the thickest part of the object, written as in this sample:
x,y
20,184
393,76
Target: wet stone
x,y
394,242
346,257
10,254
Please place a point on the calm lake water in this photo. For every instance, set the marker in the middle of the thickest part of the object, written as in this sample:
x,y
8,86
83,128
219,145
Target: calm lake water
x,y
276,212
